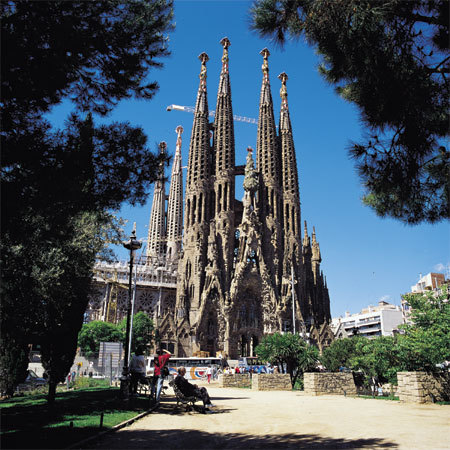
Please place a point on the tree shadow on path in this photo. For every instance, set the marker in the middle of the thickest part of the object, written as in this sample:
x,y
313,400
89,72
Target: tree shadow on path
x,y
194,439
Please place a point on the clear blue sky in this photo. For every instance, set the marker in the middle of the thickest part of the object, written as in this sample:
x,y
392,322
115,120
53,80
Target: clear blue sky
x,y
365,258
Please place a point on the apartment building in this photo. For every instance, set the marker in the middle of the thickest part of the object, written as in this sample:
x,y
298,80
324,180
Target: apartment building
x,y
370,322
429,282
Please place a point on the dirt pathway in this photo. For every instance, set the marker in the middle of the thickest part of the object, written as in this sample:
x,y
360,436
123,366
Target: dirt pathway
x,y
250,419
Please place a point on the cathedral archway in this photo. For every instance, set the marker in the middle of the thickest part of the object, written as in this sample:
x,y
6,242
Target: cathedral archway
x,y
209,332
246,320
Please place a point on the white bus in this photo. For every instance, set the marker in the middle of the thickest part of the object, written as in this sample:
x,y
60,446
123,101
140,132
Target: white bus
x,y
195,367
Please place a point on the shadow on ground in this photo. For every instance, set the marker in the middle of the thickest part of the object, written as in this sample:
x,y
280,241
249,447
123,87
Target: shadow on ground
x,y
194,439
173,409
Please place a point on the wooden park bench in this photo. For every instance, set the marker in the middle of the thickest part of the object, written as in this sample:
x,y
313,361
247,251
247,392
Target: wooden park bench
x,y
181,398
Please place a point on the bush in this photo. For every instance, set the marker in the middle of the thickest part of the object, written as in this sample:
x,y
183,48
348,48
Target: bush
x,y
299,384
88,382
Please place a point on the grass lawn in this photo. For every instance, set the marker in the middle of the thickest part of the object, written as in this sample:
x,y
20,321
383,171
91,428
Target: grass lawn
x,y
27,421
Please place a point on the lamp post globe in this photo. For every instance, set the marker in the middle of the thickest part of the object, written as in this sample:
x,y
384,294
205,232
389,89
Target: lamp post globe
x,y
132,245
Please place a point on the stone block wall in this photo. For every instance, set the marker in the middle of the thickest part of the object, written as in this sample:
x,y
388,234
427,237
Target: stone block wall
x,y
271,382
322,383
423,387
239,380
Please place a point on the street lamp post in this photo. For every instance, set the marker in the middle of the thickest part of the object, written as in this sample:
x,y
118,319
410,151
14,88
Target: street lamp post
x,y
132,244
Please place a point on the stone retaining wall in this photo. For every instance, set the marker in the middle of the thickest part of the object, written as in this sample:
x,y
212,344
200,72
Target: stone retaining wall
x,y
423,387
271,382
322,383
239,380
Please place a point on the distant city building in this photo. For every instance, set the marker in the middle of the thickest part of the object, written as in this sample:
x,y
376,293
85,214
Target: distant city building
x,y
373,321
427,283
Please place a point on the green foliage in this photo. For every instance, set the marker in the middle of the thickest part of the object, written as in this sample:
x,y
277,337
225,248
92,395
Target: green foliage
x,y
88,382
339,353
13,363
57,186
143,331
390,58
95,53
377,357
426,341
92,333
289,349
424,344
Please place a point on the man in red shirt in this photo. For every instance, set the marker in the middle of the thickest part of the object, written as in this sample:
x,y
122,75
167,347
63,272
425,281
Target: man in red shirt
x,y
161,358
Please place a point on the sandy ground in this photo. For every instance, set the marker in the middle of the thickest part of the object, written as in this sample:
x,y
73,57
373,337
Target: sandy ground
x,y
249,419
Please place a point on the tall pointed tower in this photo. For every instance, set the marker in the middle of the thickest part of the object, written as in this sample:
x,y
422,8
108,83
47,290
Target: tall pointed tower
x,y
269,167
198,205
224,185
292,251
156,243
175,204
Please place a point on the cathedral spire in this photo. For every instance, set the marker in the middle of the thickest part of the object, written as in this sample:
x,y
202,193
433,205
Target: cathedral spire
x,y
316,256
157,226
224,124
175,204
291,196
305,236
224,161
268,160
198,205
199,151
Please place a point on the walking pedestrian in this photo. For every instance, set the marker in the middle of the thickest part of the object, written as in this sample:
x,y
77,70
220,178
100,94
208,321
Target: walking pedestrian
x,y
209,373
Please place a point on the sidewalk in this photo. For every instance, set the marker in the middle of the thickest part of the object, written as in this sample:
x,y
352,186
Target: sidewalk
x,y
250,419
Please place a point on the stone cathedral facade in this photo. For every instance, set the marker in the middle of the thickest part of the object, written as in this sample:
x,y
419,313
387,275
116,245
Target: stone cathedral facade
x,y
243,269
239,258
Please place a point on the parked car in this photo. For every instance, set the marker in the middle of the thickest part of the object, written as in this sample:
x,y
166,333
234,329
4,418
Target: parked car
x,y
32,381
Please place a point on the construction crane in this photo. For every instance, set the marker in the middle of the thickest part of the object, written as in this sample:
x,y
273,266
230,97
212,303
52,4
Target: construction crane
x,y
211,113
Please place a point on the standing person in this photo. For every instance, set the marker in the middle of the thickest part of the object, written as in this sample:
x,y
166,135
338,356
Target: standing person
x,y
137,370
209,373
192,390
161,359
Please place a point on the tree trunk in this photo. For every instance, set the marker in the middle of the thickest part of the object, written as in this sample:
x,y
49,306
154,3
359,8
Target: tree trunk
x,y
51,393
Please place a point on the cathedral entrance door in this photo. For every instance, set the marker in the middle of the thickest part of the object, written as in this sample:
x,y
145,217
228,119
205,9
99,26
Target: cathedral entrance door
x,y
245,346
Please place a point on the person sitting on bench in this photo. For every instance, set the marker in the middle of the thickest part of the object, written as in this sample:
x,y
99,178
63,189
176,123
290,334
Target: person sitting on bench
x,y
192,390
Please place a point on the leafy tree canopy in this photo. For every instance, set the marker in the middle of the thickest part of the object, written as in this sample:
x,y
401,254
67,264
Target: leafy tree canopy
x,y
426,341
92,333
290,350
143,331
338,354
390,58
424,344
94,53
377,357
57,186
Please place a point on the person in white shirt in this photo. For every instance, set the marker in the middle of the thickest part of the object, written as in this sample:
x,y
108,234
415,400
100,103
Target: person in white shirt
x,y
137,370
209,373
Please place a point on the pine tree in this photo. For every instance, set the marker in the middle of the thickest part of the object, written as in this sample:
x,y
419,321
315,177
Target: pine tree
x,y
390,58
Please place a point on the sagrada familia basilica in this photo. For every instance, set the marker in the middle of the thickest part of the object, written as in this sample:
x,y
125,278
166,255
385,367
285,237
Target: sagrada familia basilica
x,y
241,269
